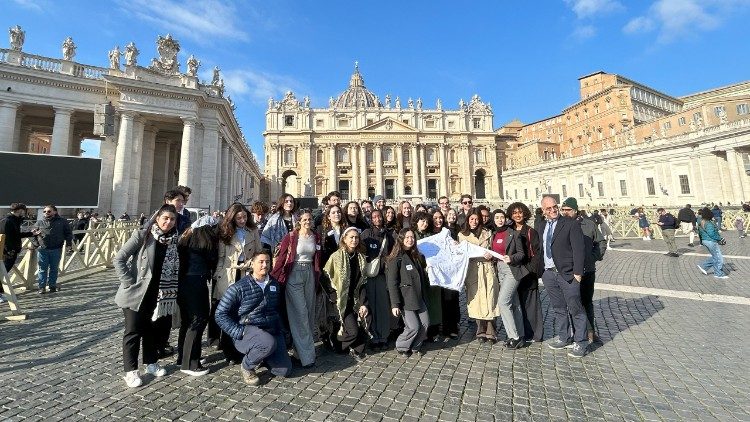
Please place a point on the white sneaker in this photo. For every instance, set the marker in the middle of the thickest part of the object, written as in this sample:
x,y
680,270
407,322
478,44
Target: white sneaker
x,y
721,277
2,298
155,370
132,379
195,372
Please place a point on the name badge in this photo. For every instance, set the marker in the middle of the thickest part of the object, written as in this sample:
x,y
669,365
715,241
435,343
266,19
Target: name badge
x,y
317,247
499,240
331,233
373,246
409,267
272,288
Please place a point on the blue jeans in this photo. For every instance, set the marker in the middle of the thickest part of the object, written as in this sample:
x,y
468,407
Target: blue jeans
x,y
716,260
49,261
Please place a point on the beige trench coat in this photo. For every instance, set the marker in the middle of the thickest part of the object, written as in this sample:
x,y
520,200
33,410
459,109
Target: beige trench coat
x,y
482,287
228,254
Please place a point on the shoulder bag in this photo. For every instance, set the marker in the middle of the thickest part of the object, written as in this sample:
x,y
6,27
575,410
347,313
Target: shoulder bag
x,y
372,268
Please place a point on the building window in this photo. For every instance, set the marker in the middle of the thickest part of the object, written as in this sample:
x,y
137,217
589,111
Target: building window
x,y
430,124
623,188
319,123
697,116
288,120
564,191
477,123
600,187
453,155
288,156
344,122
515,193
431,171
406,121
407,155
526,194
681,121
369,121
684,184
580,190
370,156
480,155
430,152
388,154
718,110
451,124
370,171
650,188
536,192
319,156
742,109
343,155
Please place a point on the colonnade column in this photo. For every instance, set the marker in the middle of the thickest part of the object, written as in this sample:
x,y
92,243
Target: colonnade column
x,y
736,176
18,133
400,169
137,159
414,169
354,159
61,132
107,152
379,171
187,169
224,203
466,186
123,156
365,177
147,169
422,172
159,172
8,112
208,180
443,172
332,170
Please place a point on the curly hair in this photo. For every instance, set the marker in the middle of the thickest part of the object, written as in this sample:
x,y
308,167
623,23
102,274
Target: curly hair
x,y
228,227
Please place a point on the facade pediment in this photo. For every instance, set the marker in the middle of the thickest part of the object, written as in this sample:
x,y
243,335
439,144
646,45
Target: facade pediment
x,y
389,125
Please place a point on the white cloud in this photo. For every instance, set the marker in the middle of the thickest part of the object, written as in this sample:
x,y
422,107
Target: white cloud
x,y
90,148
584,32
200,20
589,8
676,18
30,4
254,85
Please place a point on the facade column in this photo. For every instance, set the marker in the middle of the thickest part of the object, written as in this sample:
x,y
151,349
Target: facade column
x,y
61,132
8,112
136,167
401,179
160,172
422,171
210,163
354,159
414,169
224,203
736,176
332,170
123,156
443,172
379,172
107,152
147,169
467,185
187,169
18,133
365,176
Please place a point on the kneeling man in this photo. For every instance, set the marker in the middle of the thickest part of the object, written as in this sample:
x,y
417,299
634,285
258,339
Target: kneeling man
x,y
249,314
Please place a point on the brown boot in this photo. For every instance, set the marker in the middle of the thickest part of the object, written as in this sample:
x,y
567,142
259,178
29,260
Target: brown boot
x,y
249,376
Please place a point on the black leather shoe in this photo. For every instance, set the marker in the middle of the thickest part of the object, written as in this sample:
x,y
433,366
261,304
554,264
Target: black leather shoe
x,y
514,343
53,289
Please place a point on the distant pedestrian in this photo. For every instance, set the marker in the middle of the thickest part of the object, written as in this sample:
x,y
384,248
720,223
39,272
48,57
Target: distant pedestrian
x,y
687,223
739,224
718,216
643,223
10,226
52,233
710,238
668,224
142,219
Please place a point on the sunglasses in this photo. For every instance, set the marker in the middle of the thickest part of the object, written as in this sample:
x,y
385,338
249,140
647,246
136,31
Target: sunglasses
x,y
467,202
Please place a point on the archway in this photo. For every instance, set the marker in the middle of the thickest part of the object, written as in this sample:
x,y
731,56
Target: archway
x,y
289,183
479,184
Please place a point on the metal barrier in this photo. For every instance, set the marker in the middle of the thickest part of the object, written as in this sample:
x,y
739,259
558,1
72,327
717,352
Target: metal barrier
x,y
95,251
625,226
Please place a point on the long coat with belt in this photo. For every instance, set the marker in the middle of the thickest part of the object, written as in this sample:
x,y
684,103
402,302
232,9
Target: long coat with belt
x,y
228,255
482,287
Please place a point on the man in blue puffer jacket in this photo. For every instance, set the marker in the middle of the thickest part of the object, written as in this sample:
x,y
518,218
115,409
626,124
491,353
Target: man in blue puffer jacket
x,y
249,313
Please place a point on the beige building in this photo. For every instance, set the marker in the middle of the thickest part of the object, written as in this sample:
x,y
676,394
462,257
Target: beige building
x,y
361,146
625,143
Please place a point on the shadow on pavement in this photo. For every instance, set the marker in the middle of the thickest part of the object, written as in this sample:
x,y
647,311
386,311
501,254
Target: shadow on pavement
x,y
615,315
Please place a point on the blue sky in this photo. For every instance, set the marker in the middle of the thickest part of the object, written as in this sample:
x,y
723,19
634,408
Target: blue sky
x,y
524,57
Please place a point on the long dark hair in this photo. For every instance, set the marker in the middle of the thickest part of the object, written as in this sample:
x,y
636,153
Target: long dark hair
x,y
398,248
280,204
327,225
228,227
389,224
421,215
466,230
358,220
204,238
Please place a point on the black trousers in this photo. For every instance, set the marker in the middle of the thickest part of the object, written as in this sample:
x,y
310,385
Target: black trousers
x,y
216,337
531,308
353,336
587,298
139,328
9,263
192,297
451,311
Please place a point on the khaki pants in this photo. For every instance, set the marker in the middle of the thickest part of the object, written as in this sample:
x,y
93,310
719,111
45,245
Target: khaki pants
x,y
668,235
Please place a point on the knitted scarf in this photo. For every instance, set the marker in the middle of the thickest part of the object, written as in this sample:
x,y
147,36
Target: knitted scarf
x,y
166,301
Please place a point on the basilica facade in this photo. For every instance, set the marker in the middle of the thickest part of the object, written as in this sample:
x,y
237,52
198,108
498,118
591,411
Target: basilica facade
x,y
362,146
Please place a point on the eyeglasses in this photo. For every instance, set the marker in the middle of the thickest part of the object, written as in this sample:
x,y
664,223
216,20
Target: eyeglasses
x,y
443,203
554,207
467,202
47,211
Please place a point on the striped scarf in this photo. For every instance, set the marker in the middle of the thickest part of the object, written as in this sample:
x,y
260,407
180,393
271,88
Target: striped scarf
x,y
166,301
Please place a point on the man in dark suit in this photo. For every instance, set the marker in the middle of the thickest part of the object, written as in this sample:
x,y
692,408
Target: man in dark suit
x,y
563,253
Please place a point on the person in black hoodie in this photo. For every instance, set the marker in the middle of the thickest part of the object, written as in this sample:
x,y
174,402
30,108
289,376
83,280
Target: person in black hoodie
x,y
199,255
52,233
10,226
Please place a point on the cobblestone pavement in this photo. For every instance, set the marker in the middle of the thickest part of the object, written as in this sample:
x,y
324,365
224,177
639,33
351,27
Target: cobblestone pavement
x,y
663,358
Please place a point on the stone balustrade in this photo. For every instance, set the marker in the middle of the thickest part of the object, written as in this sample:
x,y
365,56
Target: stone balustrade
x,y
53,65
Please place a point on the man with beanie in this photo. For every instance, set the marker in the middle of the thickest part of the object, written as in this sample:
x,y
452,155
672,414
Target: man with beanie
x,y
595,246
563,253
379,202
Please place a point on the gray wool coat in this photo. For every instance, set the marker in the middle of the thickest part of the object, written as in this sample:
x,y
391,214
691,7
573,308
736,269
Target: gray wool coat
x,y
134,263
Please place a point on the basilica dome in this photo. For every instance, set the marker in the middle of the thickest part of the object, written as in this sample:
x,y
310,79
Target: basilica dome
x,y
357,95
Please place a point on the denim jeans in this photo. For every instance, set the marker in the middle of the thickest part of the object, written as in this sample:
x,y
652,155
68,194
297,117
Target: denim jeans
x,y
49,261
716,260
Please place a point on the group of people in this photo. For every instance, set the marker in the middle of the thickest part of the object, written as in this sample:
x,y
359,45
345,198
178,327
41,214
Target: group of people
x,y
350,276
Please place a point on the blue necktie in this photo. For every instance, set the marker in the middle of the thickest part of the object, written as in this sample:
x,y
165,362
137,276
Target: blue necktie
x,y
548,241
